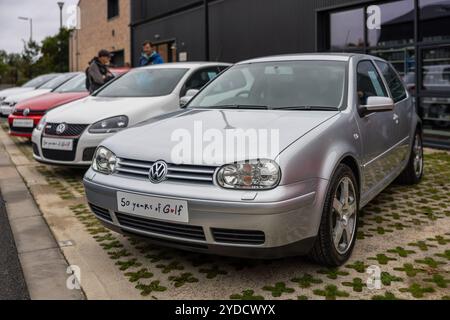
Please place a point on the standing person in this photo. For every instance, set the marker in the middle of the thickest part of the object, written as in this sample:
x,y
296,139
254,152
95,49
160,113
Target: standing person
x,y
149,56
98,74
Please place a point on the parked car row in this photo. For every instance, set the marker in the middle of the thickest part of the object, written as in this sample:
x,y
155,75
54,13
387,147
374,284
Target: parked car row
x,y
346,128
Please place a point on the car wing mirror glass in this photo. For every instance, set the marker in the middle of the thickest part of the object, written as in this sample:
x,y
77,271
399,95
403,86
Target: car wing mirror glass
x,y
377,104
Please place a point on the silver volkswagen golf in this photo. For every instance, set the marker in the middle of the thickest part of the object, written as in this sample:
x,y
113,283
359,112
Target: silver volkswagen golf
x,y
319,136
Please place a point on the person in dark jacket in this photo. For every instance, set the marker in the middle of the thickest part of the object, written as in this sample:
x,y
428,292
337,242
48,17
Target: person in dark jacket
x,y
149,56
98,72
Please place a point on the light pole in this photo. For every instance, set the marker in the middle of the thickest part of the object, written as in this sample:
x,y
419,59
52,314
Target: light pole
x,y
60,5
31,25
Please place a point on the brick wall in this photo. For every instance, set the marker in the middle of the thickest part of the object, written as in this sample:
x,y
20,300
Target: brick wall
x,y
97,32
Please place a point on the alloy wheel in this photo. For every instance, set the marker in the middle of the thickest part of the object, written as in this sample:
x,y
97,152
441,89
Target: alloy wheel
x,y
418,156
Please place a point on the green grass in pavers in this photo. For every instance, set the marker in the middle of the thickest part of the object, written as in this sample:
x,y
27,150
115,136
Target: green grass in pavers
x,y
417,291
115,255
387,296
147,289
422,245
439,281
201,260
163,255
357,284
358,266
333,273
387,278
246,295
306,281
278,289
430,262
213,272
410,270
445,255
331,292
401,252
172,266
138,275
439,240
127,264
382,259
182,279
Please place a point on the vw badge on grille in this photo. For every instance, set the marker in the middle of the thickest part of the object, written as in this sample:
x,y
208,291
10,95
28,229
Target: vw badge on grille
x,y
60,129
158,172
26,112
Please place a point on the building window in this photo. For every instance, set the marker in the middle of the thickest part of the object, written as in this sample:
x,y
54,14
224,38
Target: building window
x,y
347,29
434,20
436,68
397,25
113,8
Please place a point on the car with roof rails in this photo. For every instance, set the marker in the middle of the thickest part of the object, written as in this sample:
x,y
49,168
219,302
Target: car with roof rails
x,y
340,129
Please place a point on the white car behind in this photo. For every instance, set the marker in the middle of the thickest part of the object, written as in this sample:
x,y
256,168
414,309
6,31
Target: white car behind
x,y
8,104
70,134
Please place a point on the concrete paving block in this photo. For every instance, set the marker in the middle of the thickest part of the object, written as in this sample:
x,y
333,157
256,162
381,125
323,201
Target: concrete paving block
x,y
32,234
46,275
22,209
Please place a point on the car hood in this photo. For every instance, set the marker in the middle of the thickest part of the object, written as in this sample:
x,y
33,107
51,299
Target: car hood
x,y
14,91
49,100
157,138
26,95
93,109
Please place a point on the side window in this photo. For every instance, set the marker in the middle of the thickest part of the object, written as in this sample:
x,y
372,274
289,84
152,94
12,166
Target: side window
x,y
393,81
199,78
369,82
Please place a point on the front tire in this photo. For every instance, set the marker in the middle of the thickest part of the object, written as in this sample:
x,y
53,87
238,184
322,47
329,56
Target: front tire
x,y
337,232
413,172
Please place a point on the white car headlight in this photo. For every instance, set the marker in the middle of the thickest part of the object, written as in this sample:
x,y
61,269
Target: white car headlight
x,y
41,124
109,125
104,161
254,174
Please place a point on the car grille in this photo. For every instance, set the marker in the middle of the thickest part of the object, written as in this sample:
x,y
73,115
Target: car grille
x,y
183,173
72,130
238,236
21,130
88,154
59,155
36,150
160,227
101,212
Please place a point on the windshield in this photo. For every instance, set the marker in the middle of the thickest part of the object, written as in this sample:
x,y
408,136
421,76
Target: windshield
x,y
154,82
55,83
39,81
277,85
77,84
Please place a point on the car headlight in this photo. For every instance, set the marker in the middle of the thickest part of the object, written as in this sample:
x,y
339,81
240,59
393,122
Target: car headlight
x,y
104,161
109,125
41,124
254,174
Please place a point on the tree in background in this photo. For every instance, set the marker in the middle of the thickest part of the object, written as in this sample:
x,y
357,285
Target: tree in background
x,y
52,55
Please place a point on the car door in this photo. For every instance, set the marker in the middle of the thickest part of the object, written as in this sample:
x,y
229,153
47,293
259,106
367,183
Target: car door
x,y
403,110
377,130
200,78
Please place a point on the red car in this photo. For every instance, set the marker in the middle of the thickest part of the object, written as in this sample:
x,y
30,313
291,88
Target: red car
x,y
27,114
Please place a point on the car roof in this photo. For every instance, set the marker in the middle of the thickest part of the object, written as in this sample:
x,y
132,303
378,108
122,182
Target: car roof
x,y
309,56
186,65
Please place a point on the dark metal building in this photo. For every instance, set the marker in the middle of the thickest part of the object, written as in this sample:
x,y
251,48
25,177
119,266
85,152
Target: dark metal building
x,y
414,36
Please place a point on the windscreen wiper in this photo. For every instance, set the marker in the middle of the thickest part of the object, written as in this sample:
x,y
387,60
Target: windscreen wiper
x,y
307,108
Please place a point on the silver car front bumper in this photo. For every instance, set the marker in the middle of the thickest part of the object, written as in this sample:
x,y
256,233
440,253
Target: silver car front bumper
x,y
285,219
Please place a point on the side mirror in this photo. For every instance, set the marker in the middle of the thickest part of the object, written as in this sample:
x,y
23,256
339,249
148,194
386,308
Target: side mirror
x,y
188,97
377,104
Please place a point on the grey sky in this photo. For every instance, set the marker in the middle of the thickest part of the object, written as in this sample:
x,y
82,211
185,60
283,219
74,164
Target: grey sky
x,y
45,15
